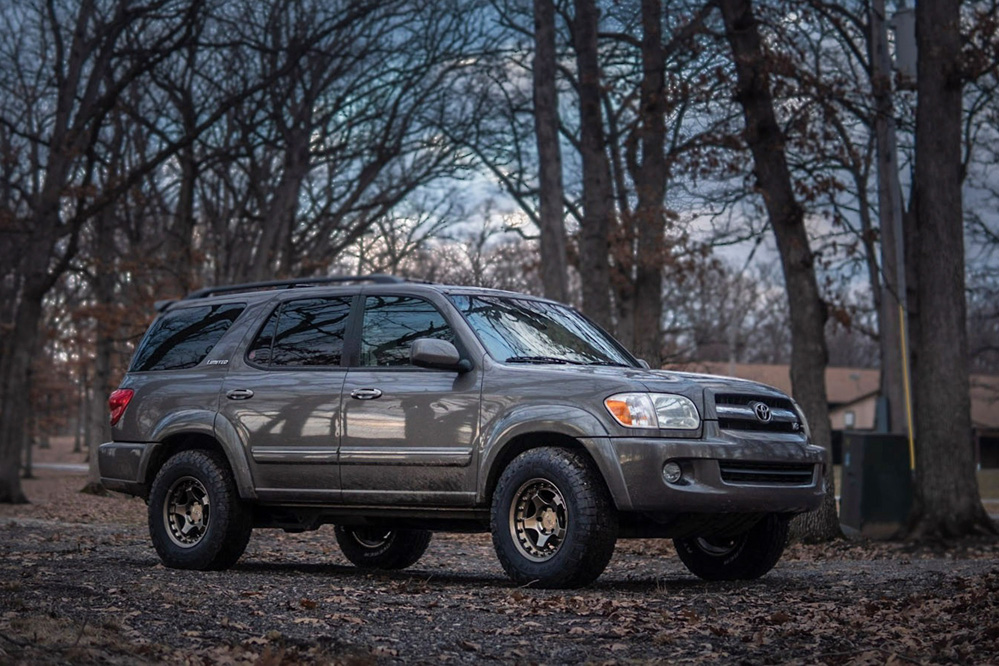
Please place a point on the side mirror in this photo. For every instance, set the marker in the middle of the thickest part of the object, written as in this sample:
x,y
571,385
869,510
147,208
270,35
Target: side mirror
x,y
437,354
645,364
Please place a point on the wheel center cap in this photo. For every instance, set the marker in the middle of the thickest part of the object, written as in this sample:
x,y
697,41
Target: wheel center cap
x,y
549,520
197,513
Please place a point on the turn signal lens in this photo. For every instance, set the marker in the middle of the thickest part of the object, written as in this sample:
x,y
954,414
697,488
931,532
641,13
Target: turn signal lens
x,y
118,402
632,410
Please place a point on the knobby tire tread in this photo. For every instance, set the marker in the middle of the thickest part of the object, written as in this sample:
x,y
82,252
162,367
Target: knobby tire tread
x,y
231,526
594,517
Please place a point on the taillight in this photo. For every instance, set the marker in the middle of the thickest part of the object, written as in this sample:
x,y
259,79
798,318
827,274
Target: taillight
x,y
118,402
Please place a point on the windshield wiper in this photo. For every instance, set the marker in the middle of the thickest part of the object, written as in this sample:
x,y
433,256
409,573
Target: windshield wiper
x,y
542,359
613,364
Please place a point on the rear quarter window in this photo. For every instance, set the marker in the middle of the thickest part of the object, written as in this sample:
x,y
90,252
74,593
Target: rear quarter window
x,y
182,338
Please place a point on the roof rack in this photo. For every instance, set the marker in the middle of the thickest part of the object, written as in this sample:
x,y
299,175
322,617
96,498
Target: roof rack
x,y
378,278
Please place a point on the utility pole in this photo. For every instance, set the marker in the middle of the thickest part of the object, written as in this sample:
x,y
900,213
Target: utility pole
x,y
894,362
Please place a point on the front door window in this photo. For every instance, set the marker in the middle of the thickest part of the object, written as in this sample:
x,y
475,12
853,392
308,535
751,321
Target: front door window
x,y
392,323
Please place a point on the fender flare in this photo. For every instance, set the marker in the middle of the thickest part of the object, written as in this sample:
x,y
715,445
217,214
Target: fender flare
x,y
541,419
207,423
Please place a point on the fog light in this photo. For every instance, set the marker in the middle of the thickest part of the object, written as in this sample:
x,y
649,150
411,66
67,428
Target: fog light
x,y
672,472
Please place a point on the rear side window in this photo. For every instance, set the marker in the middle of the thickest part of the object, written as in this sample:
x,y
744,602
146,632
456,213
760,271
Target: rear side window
x,y
307,332
182,338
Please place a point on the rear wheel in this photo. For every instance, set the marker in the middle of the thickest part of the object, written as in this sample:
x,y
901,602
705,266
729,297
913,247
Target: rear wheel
x,y
196,519
744,557
553,521
381,548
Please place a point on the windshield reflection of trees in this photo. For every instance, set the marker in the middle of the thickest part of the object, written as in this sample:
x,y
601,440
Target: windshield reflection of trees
x,y
512,328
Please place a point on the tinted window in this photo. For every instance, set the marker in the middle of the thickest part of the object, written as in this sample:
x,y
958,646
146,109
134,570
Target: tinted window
x,y
307,332
182,338
521,330
391,323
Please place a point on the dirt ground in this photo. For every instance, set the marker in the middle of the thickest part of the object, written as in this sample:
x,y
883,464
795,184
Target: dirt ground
x,y
80,583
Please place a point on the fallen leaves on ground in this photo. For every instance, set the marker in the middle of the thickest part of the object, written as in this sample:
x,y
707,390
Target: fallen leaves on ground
x,y
80,583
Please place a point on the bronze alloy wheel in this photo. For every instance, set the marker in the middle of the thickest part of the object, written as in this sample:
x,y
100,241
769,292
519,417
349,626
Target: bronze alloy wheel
x,y
539,519
187,511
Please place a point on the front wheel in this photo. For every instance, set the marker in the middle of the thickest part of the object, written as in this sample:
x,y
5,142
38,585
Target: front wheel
x,y
381,548
553,520
196,519
744,557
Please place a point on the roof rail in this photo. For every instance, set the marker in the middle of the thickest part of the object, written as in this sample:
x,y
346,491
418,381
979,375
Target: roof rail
x,y
293,283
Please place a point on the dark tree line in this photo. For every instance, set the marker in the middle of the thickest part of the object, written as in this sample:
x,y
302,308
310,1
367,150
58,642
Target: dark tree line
x,y
150,148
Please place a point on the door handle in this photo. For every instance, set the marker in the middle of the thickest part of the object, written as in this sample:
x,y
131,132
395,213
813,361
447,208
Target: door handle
x,y
366,393
239,394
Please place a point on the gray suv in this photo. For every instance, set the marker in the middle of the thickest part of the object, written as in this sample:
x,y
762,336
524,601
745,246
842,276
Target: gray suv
x,y
392,409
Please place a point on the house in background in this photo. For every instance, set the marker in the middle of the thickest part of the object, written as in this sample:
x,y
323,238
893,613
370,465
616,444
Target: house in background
x,y
853,396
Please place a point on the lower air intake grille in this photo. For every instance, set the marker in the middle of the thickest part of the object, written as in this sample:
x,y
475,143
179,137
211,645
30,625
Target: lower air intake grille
x,y
771,473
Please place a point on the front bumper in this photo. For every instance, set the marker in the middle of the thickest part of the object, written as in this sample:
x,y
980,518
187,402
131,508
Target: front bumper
x,y
637,483
123,466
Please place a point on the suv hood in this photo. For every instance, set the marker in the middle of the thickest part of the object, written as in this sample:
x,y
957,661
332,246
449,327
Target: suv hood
x,y
665,381
668,380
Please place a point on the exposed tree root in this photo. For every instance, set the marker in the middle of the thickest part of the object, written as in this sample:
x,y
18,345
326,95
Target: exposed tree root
x,y
95,488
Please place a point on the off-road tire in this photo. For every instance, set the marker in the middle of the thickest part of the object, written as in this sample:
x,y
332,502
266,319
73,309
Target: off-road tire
x,y
378,548
575,505
226,529
745,557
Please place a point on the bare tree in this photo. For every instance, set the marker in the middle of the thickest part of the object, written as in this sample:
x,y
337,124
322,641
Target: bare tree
x,y
946,502
554,268
598,204
808,313
716,312
367,108
97,50
650,185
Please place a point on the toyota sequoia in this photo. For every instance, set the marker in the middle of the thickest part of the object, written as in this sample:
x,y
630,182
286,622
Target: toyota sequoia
x,y
393,409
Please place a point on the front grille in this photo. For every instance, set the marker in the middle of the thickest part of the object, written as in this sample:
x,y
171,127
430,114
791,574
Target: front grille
x,y
773,426
782,474
744,400
738,412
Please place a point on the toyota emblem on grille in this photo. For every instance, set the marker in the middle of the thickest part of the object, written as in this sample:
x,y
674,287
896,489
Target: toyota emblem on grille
x,y
762,412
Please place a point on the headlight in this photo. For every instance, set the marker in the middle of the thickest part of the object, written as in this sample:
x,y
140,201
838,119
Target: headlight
x,y
653,410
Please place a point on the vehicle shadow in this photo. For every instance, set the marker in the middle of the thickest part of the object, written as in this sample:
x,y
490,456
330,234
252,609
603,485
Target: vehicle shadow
x,y
416,580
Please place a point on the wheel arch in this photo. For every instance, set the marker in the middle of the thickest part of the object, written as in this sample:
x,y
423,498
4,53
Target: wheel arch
x,y
595,449
189,441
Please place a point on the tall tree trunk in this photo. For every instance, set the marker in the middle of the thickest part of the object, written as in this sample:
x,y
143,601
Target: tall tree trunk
x,y
81,405
890,214
946,502
16,351
98,425
809,355
280,215
554,274
598,203
651,189
29,445
180,234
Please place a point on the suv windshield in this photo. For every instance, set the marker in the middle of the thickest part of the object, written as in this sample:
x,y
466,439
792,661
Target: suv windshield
x,y
522,330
